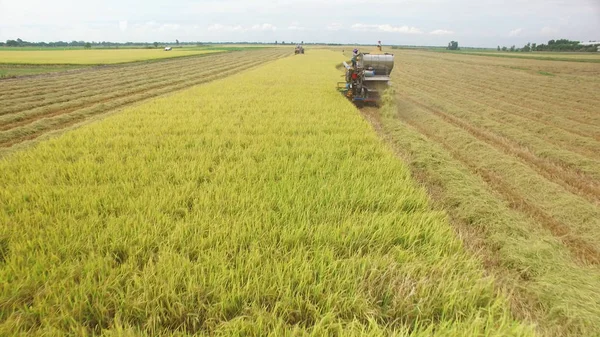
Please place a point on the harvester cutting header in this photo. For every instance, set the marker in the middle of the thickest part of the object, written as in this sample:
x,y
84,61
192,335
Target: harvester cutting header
x,y
367,76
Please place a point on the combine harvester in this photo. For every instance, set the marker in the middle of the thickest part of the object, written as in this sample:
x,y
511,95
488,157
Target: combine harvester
x,y
367,77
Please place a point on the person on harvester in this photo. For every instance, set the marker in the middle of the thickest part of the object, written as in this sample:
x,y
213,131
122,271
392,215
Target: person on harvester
x,y
354,57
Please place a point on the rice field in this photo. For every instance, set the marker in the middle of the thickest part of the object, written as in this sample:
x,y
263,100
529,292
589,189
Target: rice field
x,y
37,106
95,56
253,205
591,57
511,149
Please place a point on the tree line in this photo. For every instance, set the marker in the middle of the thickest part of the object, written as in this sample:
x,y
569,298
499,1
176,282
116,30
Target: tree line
x,y
562,45
107,44
104,44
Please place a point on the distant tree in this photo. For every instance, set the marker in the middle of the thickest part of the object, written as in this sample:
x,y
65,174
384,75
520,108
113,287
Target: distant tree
x,y
282,42
177,42
453,45
504,48
533,46
87,45
155,44
302,42
512,48
12,43
527,47
275,41
498,48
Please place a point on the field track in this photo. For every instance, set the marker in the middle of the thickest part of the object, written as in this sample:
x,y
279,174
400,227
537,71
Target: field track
x,y
511,148
33,106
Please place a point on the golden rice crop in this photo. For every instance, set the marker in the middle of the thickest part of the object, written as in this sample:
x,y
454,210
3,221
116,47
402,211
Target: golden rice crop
x,y
94,56
259,205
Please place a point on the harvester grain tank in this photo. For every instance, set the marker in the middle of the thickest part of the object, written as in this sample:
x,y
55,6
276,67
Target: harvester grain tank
x,y
367,78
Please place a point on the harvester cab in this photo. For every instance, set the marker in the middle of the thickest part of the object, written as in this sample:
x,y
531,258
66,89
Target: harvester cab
x,y
299,50
367,77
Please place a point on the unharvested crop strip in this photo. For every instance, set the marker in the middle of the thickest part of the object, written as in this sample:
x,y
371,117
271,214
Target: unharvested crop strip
x,y
99,75
497,91
115,86
40,128
92,96
539,105
568,152
577,129
577,182
22,119
531,140
70,117
580,248
102,76
458,78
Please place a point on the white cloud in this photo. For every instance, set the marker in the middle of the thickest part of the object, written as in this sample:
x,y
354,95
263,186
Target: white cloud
x,y
123,25
238,28
226,28
264,27
294,27
549,31
169,26
441,32
386,28
515,32
334,26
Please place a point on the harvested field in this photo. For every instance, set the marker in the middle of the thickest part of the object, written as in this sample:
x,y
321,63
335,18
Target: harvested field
x,y
591,57
16,70
34,106
514,156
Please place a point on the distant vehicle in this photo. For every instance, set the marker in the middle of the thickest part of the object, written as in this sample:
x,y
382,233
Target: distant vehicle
x,y
168,48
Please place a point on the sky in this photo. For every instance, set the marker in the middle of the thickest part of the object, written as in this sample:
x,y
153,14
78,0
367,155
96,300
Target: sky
x,y
475,23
